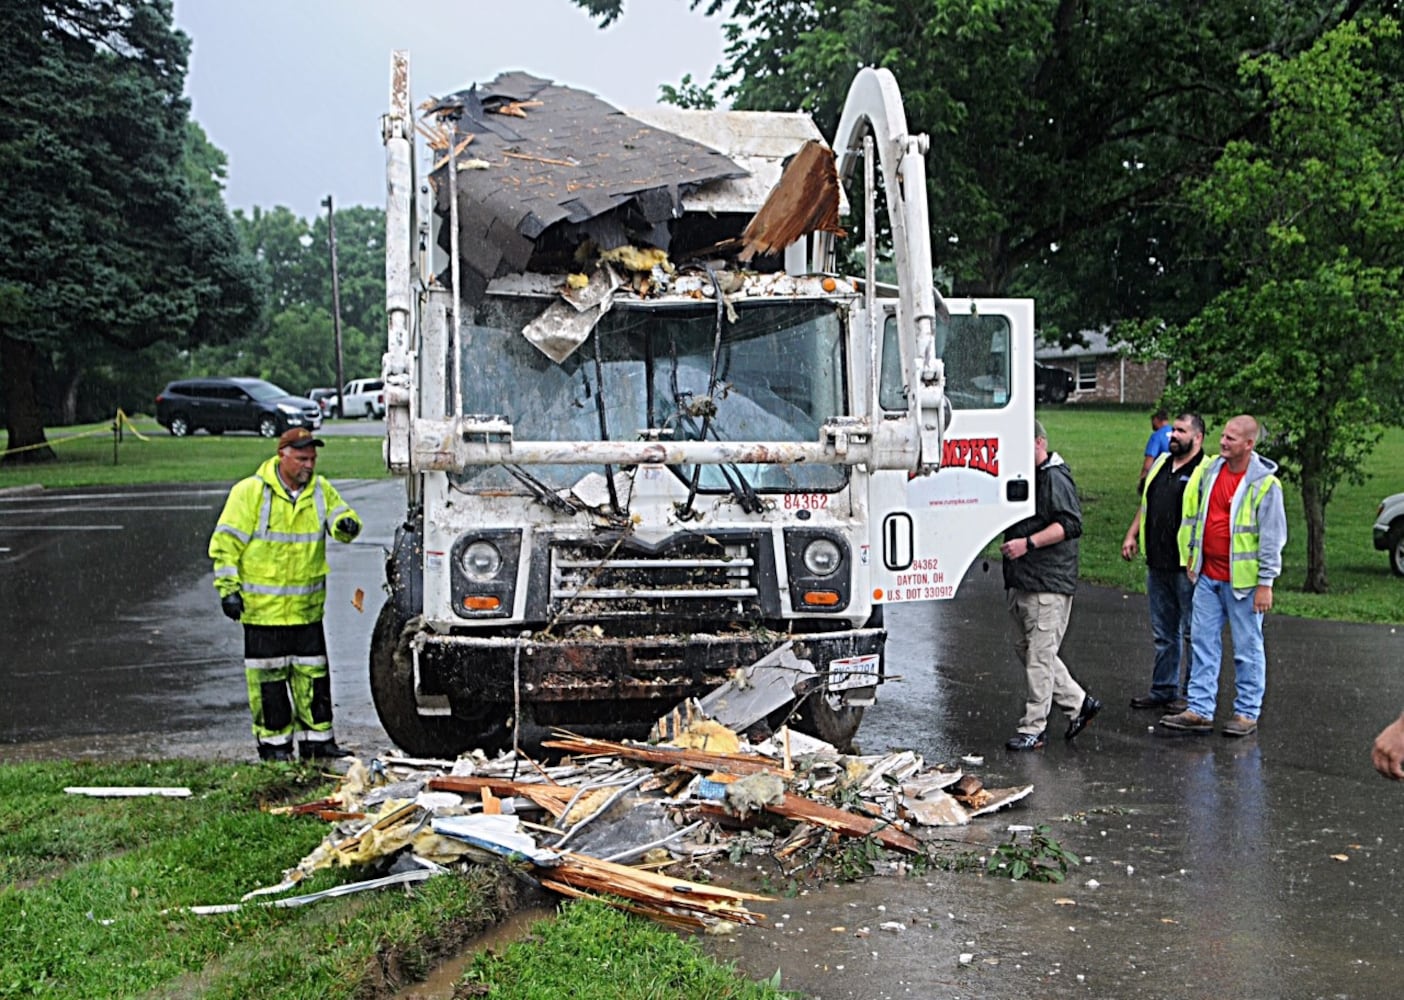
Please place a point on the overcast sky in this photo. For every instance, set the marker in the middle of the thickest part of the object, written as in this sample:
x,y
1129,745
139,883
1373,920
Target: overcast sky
x,y
292,90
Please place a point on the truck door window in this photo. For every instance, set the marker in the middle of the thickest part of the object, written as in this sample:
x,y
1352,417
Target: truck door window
x,y
976,352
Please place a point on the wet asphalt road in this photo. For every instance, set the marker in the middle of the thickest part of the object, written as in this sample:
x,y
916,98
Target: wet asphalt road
x,y
116,644
1215,861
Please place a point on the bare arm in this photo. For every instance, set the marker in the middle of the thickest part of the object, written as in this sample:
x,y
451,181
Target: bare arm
x,y
1132,541
1388,753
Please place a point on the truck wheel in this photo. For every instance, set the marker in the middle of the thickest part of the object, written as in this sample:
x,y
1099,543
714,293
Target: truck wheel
x,y
392,690
1058,393
180,425
1395,547
833,722
268,426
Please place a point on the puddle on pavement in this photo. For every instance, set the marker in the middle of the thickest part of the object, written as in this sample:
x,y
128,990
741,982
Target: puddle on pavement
x,y
442,981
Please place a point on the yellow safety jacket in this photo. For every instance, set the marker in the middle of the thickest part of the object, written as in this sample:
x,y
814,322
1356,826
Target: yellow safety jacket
x,y
272,549
1257,518
1182,536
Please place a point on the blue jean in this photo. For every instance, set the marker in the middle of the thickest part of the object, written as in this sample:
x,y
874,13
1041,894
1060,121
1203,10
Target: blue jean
x,y
1215,603
1171,599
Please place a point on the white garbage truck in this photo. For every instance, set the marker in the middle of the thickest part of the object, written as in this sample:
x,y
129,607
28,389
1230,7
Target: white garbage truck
x,y
652,429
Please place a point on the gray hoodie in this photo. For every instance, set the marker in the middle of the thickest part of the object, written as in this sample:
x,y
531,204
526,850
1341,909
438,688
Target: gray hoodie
x,y
1272,518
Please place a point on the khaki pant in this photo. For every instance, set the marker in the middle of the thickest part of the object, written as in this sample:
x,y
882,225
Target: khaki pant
x,y
1039,623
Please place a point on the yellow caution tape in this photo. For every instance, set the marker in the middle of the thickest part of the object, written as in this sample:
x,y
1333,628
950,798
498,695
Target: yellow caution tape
x,y
122,418
118,420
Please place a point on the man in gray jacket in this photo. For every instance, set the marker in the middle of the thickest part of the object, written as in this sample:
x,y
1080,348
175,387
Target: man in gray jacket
x,y
1040,575
1237,529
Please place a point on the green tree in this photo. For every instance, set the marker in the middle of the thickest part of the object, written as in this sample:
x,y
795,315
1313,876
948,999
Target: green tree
x,y
105,236
282,243
1310,227
1062,130
294,256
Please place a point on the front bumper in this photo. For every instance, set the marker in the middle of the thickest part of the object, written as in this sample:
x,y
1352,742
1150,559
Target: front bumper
x,y
590,678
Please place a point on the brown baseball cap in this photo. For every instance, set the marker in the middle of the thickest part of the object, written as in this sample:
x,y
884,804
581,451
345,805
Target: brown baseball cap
x,y
299,437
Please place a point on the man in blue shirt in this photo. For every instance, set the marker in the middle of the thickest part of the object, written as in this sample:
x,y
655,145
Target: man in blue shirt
x,y
1156,445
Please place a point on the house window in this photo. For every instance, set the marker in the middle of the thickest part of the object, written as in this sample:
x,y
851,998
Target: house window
x,y
1086,374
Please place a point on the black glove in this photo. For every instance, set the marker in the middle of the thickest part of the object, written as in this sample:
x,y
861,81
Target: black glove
x,y
349,526
232,605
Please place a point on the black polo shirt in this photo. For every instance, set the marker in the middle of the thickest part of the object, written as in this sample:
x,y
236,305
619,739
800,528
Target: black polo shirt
x,y
1165,495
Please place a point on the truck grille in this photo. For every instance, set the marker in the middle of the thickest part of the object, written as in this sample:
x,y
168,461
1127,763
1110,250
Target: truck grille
x,y
692,577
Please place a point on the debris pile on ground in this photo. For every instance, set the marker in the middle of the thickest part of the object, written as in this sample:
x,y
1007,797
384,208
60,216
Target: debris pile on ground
x,y
578,825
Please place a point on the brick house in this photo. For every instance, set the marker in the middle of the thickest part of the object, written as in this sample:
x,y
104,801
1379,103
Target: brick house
x,y
1105,373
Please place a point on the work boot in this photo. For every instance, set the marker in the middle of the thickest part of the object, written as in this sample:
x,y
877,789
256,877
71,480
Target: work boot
x,y
1189,722
274,752
321,750
1240,725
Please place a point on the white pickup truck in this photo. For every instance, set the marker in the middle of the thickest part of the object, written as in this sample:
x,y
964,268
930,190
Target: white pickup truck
x,y
363,397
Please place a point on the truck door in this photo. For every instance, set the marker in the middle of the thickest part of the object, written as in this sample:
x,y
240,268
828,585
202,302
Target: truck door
x,y
927,530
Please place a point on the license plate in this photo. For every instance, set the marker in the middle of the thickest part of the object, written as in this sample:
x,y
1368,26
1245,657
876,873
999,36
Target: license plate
x,y
853,672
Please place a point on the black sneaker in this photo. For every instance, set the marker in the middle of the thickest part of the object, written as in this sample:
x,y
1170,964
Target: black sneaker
x,y
1027,741
1090,707
321,750
268,751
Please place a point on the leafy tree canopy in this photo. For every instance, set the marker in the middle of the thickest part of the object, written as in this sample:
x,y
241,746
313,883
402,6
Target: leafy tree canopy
x,y
114,225
1062,130
1308,220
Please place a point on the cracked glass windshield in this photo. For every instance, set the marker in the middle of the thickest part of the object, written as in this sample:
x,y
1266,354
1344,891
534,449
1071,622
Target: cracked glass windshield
x,y
779,375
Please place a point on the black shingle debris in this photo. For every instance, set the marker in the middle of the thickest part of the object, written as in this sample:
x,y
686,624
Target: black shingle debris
x,y
562,167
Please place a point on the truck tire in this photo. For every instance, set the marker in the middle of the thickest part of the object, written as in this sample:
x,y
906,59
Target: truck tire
x,y
180,425
392,690
831,721
1058,393
1394,546
268,426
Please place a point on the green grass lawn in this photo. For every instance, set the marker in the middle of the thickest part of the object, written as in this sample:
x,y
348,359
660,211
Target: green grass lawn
x,y
88,456
93,894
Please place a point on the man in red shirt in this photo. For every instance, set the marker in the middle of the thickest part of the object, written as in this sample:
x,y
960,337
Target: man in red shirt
x,y
1237,529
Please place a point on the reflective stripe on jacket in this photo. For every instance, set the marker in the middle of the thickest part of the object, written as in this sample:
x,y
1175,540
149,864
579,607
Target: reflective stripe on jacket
x,y
272,549
1257,516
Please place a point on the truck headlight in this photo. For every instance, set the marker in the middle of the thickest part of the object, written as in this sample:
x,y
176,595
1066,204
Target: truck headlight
x,y
822,557
481,561
288,408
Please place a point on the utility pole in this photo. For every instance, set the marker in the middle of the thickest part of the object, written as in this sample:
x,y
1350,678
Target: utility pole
x,y
336,304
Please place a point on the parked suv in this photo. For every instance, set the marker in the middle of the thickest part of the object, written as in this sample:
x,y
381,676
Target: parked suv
x,y
1051,383
363,397
233,404
1389,531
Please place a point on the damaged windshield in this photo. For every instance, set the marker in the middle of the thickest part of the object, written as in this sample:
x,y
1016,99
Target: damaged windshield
x,y
779,376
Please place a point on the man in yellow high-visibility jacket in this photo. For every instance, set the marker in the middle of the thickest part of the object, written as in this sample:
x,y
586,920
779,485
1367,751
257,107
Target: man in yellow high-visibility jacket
x,y
1233,553
270,565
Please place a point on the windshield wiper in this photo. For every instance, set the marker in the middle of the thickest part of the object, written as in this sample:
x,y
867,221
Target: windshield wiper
x,y
540,490
740,486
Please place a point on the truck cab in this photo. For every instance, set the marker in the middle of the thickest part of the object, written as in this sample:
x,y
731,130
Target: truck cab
x,y
651,433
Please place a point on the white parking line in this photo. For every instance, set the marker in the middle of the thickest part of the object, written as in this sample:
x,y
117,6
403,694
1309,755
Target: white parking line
x,y
46,497
116,510
60,527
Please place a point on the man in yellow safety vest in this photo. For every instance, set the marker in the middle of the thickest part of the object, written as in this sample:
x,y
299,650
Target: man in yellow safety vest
x,y
270,564
1233,553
